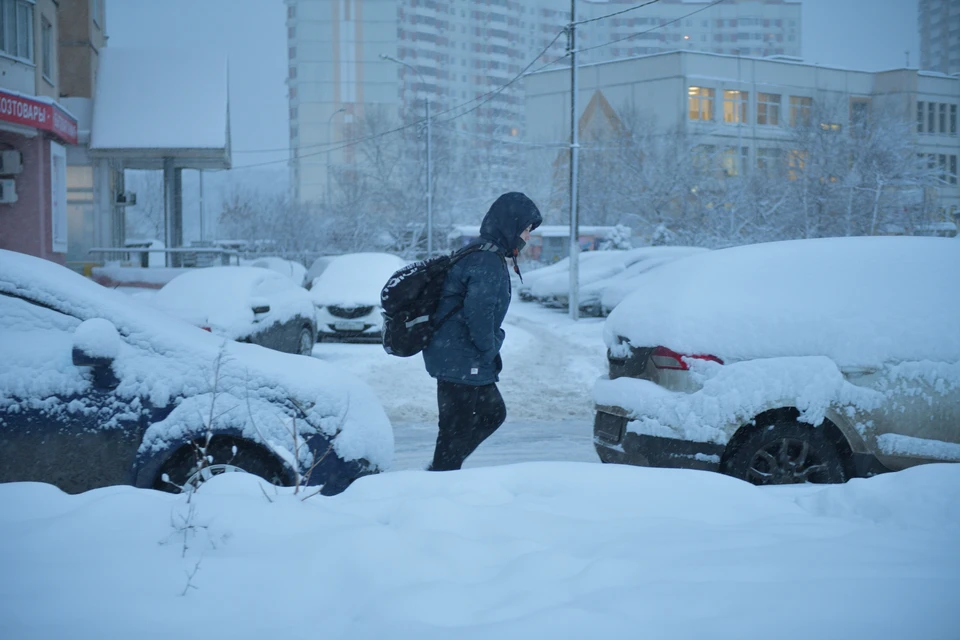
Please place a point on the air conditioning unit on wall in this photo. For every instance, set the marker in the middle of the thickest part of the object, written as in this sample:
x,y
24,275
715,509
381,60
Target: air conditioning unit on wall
x,y
8,191
126,199
11,163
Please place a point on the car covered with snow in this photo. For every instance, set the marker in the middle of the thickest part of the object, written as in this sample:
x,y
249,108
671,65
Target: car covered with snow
x,y
98,389
806,360
347,296
246,304
599,270
290,268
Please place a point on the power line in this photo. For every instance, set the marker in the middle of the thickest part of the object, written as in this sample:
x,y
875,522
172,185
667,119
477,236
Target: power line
x,y
486,97
633,35
611,15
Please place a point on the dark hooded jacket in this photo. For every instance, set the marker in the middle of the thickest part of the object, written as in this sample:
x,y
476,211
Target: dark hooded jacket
x,y
466,348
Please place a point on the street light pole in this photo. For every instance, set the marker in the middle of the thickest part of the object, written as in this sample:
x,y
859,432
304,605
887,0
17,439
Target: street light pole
x,y
383,56
330,145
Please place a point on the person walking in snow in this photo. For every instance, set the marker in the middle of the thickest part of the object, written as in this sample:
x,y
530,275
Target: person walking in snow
x,y
464,353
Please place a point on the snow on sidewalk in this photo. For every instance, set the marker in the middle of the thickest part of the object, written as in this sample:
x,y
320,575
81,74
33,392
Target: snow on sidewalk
x,y
535,550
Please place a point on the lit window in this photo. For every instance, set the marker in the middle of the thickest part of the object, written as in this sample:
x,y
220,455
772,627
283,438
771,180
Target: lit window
x,y
796,161
735,106
701,103
768,108
800,107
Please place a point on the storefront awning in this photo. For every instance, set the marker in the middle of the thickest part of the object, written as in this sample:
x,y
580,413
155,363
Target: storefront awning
x,y
150,105
23,114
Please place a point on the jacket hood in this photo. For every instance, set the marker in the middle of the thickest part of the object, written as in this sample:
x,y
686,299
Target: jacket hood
x,y
508,216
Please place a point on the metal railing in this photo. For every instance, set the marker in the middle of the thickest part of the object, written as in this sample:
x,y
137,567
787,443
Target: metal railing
x,y
179,256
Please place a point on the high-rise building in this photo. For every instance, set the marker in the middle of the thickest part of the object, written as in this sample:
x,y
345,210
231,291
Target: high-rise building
x,y
939,23
453,52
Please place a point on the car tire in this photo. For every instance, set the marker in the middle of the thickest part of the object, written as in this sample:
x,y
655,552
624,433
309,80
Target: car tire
x,y
305,342
786,453
183,475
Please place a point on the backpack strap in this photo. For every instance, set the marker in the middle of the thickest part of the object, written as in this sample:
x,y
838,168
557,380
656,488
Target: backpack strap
x,y
454,257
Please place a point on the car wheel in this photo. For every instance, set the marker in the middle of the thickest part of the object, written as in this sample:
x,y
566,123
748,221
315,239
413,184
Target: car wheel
x,y
223,456
305,344
787,453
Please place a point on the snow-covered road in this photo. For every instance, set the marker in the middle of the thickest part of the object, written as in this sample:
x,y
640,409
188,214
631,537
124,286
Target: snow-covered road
x,y
550,364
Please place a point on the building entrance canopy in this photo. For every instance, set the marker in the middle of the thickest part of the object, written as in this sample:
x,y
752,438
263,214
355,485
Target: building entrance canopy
x,y
157,105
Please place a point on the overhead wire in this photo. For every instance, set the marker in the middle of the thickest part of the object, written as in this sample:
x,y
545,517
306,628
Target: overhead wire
x,y
484,98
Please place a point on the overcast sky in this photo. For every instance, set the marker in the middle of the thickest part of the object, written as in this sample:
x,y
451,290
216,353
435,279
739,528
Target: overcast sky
x,y
859,34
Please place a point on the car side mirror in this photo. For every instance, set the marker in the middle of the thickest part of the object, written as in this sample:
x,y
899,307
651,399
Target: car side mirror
x,y
96,344
260,308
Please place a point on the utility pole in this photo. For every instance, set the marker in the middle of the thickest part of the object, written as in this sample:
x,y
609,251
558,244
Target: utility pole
x,y
329,147
574,298
202,238
384,56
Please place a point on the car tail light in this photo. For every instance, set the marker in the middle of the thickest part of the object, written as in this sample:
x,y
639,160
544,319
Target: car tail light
x,y
664,358
206,329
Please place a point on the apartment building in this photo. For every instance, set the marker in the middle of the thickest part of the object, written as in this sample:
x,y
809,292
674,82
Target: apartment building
x,y
36,131
728,102
456,51
939,23
747,27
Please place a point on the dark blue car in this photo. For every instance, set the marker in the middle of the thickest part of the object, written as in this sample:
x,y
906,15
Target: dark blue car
x,y
98,389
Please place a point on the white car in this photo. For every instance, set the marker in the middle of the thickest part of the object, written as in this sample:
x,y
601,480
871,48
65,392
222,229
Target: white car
x,y
806,360
246,304
347,296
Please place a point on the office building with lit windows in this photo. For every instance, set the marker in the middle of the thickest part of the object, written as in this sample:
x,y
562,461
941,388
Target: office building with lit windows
x,y
727,102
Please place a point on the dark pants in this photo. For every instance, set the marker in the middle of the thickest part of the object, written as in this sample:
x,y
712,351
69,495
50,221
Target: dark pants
x,y
469,414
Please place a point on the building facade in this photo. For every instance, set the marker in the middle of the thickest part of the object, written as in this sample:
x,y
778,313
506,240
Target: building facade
x,y
745,27
728,102
939,24
460,51
36,131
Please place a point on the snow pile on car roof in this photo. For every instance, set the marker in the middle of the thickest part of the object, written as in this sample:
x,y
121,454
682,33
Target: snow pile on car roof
x,y
859,301
355,279
161,358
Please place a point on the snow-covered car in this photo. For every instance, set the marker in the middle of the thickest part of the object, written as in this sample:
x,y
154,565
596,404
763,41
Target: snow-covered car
x,y
347,296
318,267
99,389
246,304
636,262
806,360
551,286
602,297
290,268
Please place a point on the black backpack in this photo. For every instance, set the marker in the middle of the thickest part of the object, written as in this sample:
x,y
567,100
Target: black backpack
x,y
410,298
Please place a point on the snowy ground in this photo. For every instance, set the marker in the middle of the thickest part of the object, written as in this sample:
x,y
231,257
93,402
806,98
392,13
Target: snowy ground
x,y
550,365
533,539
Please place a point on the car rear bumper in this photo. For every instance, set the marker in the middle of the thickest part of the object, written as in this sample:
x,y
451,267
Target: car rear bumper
x,y
614,444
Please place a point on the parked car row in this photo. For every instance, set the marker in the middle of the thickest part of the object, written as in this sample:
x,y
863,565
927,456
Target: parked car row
x,y
605,277
98,388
